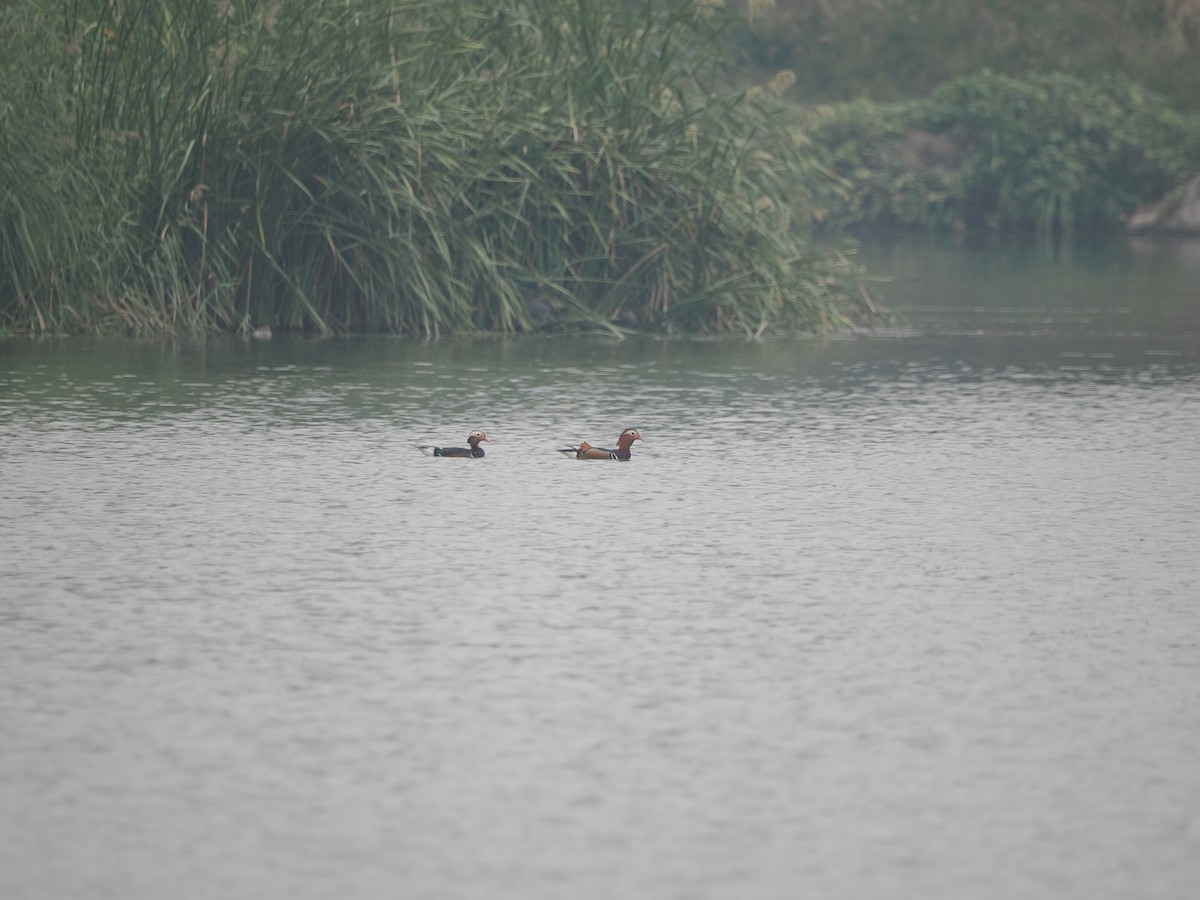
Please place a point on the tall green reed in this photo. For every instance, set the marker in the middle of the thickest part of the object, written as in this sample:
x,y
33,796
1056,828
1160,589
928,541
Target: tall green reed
x,y
421,167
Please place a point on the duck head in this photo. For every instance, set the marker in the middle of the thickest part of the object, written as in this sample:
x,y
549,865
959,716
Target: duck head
x,y
475,437
628,436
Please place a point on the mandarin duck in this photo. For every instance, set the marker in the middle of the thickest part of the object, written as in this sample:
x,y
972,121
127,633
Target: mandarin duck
x,y
587,451
472,452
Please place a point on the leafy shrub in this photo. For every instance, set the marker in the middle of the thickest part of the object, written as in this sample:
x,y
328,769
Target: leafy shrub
x,y
877,183
1044,153
1056,151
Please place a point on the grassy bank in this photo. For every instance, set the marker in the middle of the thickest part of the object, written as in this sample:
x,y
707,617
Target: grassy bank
x,y
412,167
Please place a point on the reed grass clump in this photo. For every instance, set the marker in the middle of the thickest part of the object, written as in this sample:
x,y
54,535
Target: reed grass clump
x,y
421,167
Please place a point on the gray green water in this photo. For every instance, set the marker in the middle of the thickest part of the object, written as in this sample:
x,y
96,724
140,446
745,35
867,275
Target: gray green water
x,y
914,614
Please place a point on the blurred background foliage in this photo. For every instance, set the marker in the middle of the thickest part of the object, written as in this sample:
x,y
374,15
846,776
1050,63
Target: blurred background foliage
x,y
1047,154
897,49
1044,116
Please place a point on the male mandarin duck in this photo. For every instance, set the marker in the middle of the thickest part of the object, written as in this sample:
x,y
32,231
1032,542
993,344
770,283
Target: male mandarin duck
x,y
587,451
472,452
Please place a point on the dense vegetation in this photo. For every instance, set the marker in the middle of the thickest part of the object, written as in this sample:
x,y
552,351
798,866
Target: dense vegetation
x,y
990,152
421,167
1020,115
451,166
894,50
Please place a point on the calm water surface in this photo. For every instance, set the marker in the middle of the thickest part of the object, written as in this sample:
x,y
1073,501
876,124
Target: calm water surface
x,y
914,614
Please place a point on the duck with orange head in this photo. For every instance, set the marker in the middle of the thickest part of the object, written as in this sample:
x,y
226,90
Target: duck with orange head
x,y
587,451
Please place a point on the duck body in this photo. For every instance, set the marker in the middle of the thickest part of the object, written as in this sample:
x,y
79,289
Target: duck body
x,y
587,451
473,451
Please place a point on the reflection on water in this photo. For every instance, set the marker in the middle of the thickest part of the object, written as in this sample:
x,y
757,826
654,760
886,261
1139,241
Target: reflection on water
x,y
894,616
1116,289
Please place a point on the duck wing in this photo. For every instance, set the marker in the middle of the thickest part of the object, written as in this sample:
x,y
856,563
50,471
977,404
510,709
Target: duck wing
x,y
451,452
587,451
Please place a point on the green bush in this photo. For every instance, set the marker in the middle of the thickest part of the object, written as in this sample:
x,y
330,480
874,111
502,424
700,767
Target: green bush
x,y
1057,151
419,167
988,151
876,183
